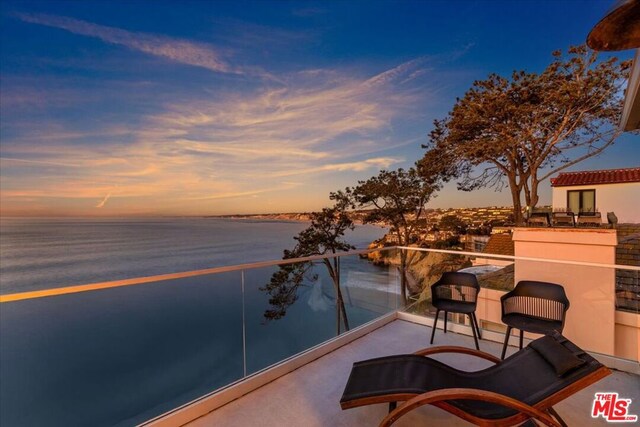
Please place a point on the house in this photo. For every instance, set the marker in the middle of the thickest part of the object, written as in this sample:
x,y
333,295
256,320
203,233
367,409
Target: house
x,y
611,190
498,244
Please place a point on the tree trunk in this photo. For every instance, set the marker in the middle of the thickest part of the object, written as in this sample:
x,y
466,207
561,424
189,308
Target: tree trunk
x,y
534,191
403,276
337,319
341,310
345,319
517,206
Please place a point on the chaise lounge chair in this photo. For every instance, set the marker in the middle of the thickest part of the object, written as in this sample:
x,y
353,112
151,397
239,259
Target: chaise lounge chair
x,y
524,386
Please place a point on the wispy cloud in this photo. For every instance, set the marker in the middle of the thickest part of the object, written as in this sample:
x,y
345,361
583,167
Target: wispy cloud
x,y
257,37
403,72
36,162
103,201
321,125
178,50
306,12
375,163
250,193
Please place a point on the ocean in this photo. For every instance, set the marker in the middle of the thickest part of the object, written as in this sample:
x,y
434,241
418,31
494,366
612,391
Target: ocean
x,y
124,355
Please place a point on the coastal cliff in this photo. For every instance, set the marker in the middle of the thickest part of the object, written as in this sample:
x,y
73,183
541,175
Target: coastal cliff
x,y
423,269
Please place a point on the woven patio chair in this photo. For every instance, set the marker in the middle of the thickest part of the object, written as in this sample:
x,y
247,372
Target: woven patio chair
x,y
537,307
456,293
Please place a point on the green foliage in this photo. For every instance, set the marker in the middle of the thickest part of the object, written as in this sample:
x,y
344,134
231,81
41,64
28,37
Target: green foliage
x,y
323,236
398,198
520,130
448,243
452,223
282,288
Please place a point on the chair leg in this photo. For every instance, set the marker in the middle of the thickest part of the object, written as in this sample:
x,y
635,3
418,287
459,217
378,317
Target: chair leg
x,y
473,329
475,322
435,323
557,416
521,338
445,322
506,342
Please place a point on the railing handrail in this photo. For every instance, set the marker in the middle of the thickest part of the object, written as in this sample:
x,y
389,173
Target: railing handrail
x,y
523,258
247,266
171,276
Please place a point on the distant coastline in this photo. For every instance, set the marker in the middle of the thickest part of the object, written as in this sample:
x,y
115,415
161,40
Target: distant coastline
x,y
473,217
293,216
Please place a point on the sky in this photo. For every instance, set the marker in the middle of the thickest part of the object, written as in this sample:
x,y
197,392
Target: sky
x,y
208,108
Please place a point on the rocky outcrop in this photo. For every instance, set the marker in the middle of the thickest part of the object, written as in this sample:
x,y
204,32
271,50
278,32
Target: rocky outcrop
x,y
424,268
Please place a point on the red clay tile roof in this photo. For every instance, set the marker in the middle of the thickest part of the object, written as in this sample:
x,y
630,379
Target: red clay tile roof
x,y
500,244
608,176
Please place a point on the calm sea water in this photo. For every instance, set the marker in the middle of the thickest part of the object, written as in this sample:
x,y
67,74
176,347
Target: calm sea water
x,y
122,356
46,253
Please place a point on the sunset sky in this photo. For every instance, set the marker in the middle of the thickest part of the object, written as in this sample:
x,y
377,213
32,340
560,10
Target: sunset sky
x,y
163,108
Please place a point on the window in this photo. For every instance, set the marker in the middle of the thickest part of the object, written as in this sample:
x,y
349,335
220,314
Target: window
x,y
581,201
479,245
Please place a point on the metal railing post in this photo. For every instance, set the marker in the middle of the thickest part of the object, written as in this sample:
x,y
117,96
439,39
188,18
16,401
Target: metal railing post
x,y
244,329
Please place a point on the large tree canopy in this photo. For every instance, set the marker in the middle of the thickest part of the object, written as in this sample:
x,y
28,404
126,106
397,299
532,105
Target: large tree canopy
x,y
519,131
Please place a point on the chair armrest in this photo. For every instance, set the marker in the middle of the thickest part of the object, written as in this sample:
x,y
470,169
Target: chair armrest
x,y
443,395
506,296
455,349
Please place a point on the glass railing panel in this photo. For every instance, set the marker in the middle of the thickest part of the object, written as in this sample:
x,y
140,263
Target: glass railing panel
x,y
313,313
604,299
371,284
603,313
425,267
119,356
628,290
627,318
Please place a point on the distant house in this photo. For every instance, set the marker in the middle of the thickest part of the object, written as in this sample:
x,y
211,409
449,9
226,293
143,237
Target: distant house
x,y
611,190
473,243
498,244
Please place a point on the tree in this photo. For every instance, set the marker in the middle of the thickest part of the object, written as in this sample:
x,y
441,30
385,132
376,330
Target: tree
x,y
397,198
519,131
453,223
323,236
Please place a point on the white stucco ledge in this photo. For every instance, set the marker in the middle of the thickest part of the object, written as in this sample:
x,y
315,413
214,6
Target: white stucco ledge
x,y
580,236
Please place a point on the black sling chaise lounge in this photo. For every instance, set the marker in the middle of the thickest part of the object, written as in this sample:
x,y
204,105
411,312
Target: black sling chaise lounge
x,y
524,386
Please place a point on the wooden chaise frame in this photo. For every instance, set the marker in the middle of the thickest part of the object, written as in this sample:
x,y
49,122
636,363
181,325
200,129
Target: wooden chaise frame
x,y
542,411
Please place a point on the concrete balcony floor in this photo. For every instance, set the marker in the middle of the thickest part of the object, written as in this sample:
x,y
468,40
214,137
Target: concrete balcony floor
x,y
309,396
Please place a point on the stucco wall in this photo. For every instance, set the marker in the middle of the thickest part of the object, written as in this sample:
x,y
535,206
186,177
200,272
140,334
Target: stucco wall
x,y
626,328
623,199
627,335
590,321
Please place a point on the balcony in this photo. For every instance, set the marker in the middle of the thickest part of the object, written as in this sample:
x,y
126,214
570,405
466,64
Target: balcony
x,y
309,395
195,347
